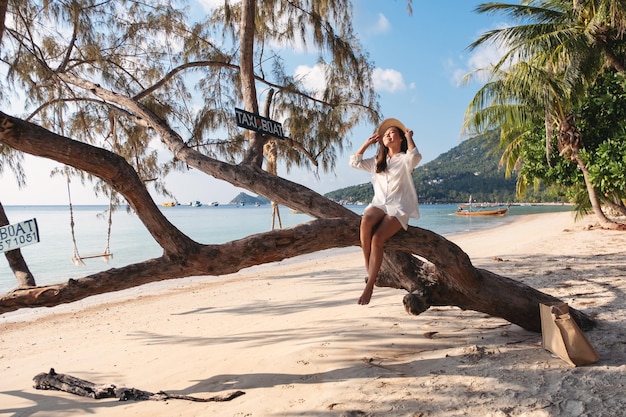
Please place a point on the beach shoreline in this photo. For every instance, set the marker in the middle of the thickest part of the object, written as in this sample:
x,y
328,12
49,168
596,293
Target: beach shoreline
x,y
291,336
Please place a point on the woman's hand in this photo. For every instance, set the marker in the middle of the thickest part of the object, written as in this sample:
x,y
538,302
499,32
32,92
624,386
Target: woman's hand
x,y
372,139
368,142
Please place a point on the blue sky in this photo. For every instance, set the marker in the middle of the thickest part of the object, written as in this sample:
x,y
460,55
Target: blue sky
x,y
419,60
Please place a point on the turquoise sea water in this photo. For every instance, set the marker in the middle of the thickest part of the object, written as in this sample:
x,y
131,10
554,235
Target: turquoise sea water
x,y
49,260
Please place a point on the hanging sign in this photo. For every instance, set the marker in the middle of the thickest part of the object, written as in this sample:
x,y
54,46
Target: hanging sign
x,y
14,236
258,123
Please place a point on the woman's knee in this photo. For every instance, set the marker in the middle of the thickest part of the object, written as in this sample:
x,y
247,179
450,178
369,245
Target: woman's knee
x,y
387,228
368,221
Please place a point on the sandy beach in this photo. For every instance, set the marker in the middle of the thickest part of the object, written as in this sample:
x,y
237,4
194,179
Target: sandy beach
x,y
291,336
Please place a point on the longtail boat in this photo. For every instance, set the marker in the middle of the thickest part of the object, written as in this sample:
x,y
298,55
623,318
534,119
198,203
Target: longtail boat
x,y
481,212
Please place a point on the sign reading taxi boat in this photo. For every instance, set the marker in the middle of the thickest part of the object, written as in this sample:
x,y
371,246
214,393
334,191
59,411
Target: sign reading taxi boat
x,y
258,123
14,236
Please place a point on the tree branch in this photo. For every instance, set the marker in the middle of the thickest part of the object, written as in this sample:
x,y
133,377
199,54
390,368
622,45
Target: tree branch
x,y
453,280
249,177
110,167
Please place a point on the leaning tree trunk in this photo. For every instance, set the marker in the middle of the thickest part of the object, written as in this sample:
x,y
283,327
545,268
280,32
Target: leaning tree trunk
x,y
604,221
16,261
617,204
451,280
460,284
570,142
452,270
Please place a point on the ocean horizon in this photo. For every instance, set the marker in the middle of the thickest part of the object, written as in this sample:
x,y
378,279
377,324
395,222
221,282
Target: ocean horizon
x,y
50,259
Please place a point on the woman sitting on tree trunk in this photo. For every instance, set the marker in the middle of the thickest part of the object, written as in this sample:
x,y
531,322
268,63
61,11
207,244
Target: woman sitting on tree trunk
x,y
395,199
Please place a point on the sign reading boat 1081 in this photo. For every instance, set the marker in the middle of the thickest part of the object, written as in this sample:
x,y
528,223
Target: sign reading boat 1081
x,y
14,236
258,123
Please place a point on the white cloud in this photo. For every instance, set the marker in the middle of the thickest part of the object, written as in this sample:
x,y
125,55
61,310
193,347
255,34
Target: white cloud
x,y
297,45
209,5
313,78
484,57
388,80
478,62
382,24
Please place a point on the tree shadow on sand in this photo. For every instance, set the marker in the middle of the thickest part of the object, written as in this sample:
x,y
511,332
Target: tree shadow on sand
x,y
463,362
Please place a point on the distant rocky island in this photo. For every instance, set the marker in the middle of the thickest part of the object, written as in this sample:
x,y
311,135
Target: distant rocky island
x,y
244,199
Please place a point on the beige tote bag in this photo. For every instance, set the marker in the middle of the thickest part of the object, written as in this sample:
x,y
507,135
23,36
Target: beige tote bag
x,y
561,335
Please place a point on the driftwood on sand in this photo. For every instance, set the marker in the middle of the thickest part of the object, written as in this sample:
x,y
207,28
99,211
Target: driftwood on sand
x,y
73,385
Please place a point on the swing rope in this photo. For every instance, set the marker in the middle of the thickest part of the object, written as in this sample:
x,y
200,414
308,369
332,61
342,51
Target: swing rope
x,y
76,258
107,256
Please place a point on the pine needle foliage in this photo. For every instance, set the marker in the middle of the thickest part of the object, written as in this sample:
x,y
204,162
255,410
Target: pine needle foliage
x,y
184,67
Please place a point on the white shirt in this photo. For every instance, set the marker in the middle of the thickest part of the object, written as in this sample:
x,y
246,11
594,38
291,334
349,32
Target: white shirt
x,y
394,190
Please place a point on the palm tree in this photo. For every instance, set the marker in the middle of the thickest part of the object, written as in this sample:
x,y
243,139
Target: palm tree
x,y
515,102
573,33
550,61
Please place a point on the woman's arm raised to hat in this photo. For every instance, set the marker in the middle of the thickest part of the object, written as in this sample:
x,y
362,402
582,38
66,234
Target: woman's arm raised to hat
x,y
415,155
409,140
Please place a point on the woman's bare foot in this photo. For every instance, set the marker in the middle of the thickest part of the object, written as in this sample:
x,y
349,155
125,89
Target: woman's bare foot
x,y
367,295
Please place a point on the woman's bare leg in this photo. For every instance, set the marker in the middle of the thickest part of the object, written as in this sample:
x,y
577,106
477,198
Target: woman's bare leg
x,y
371,217
387,227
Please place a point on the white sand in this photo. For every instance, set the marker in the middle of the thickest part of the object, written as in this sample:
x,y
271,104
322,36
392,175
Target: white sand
x,y
291,336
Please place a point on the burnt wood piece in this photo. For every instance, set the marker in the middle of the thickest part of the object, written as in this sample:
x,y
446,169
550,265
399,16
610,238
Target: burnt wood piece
x,y
84,388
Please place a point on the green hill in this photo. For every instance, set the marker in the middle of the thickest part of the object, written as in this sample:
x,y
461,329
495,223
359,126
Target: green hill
x,y
469,168
246,199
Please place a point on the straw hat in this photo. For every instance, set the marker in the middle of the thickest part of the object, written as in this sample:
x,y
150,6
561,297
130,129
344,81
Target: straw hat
x,y
387,123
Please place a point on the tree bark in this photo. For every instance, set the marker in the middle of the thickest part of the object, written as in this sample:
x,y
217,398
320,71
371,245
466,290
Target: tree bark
x,y
617,204
247,34
4,4
16,261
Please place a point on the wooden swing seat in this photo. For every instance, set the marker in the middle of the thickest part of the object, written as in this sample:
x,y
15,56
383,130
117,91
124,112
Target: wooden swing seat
x,y
78,260
106,256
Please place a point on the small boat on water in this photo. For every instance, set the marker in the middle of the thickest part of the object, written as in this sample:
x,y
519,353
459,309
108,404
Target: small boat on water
x,y
463,211
484,209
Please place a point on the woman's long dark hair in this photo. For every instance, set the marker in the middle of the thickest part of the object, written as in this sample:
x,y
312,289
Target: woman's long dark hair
x,y
383,151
